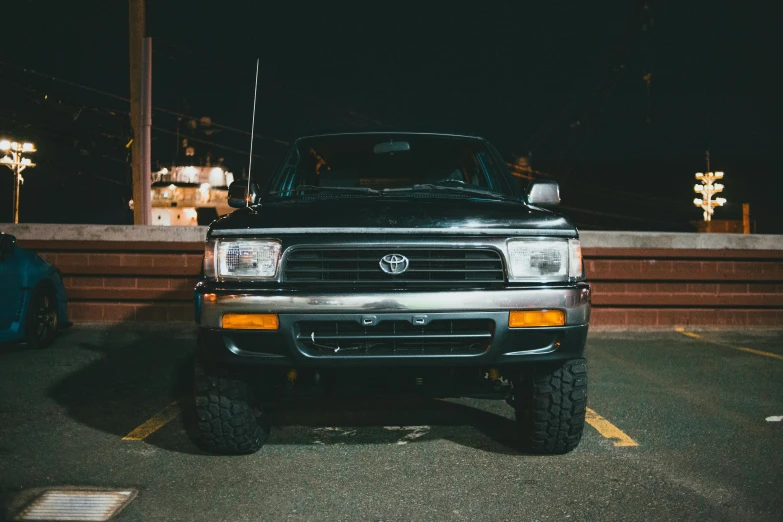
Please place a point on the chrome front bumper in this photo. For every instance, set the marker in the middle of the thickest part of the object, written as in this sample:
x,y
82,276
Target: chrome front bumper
x,y
573,300
283,347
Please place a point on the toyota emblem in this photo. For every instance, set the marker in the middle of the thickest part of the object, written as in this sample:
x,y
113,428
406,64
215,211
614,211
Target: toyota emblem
x,y
394,264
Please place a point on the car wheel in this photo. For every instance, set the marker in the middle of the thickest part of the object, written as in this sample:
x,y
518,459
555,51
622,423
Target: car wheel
x,y
550,402
41,319
225,413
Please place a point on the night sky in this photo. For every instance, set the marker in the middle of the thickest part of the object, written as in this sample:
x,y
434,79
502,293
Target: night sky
x,y
562,83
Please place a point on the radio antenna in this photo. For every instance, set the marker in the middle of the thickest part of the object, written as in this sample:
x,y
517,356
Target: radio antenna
x,y
252,128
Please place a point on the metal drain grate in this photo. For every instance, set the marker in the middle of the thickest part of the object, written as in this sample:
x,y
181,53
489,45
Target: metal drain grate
x,y
76,504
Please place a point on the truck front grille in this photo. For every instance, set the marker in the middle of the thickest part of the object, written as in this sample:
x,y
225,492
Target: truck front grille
x,y
441,266
395,338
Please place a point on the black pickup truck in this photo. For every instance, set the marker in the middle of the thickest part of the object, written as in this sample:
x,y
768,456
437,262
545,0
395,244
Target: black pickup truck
x,y
409,259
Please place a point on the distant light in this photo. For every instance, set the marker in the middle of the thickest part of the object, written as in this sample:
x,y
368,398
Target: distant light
x,y
6,159
204,191
5,145
164,171
26,161
172,186
191,213
708,189
28,147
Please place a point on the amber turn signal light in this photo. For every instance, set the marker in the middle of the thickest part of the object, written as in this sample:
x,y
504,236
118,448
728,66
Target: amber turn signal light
x,y
529,318
251,321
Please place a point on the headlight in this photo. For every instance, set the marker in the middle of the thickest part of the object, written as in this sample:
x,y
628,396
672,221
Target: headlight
x,y
544,260
576,269
241,259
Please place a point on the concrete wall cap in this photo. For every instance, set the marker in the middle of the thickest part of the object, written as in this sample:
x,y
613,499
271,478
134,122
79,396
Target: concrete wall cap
x,y
590,239
51,232
684,240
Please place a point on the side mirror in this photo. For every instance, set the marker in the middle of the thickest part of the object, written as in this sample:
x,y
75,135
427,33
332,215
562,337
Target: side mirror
x,y
7,245
543,193
238,196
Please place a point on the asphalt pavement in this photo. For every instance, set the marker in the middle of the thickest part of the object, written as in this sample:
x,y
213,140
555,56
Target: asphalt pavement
x,y
682,427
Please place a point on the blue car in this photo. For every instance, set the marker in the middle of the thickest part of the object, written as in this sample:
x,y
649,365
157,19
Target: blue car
x,y
33,303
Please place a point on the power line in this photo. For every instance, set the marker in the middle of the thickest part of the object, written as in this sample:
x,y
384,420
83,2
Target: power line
x,y
126,100
206,142
334,105
115,112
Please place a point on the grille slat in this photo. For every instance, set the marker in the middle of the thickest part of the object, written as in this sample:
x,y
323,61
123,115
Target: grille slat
x,y
395,338
453,266
371,336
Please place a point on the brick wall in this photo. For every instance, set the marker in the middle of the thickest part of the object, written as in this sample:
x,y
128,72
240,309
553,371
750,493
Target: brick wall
x,y
667,287
125,281
727,280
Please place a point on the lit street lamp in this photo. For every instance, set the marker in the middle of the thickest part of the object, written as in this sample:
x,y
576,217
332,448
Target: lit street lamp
x,y
17,164
707,189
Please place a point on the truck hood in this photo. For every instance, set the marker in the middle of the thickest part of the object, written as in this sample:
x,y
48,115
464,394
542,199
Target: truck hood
x,y
406,215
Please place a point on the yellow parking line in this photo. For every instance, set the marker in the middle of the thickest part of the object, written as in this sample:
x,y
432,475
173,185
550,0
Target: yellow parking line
x,y
155,423
681,330
759,352
608,430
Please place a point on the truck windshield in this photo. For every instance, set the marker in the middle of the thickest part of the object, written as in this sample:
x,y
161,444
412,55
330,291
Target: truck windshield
x,y
380,164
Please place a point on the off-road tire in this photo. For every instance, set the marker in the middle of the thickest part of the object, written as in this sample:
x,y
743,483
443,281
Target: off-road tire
x,y
41,317
550,402
225,413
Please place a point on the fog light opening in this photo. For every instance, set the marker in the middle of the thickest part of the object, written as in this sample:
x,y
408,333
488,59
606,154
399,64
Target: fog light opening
x,y
251,321
533,318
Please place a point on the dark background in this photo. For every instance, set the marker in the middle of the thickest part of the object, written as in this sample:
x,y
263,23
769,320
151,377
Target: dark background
x,y
561,83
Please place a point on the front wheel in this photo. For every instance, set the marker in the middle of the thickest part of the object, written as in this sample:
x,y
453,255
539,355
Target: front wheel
x,y
41,318
550,402
225,413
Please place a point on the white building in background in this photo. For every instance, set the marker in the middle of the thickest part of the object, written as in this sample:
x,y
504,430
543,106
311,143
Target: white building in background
x,y
189,195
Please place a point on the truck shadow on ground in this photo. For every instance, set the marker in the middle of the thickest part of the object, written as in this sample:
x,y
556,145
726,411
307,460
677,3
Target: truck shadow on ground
x,y
136,371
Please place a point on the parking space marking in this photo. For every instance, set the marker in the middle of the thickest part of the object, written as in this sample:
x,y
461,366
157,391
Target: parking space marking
x,y
156,422
759,352
693,335
608,430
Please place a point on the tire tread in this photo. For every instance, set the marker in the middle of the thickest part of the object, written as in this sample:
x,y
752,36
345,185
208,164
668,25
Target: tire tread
x,y
225,418
550,407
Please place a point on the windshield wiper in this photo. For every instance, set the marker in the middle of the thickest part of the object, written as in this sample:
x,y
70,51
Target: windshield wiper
x,y
456,189
314,188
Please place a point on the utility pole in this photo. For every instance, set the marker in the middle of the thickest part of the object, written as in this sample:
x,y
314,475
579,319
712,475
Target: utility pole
x,y
136,32
707,189
17,164
145,142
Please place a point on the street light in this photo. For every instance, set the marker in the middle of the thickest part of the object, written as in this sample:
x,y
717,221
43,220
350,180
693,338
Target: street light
x,y
17,164
707,189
